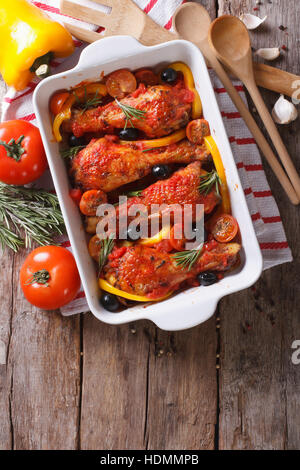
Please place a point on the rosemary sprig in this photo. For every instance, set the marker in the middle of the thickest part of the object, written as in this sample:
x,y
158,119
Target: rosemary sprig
x,y
28,215
88,102
71,152
208,181
130,112
187,259
134,193
106,248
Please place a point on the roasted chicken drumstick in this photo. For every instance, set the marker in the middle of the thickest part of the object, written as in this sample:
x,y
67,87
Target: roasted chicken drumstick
x,y
146,271
165,109
107,165
181,188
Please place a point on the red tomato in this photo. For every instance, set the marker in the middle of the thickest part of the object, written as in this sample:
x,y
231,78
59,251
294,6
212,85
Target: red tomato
x,y
75,195
49,277
120,82
177,244
91,200
196,130
225,228
146,76
22,155
57,101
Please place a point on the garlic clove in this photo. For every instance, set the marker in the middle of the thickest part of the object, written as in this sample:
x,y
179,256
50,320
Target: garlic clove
x,y
284,111
252,21
268,53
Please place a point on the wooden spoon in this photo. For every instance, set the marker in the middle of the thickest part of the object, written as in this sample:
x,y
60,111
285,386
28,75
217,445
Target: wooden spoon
x,y
192,22
230,41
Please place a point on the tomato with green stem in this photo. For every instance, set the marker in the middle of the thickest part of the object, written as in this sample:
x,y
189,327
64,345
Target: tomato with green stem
x,y
22,154
49,277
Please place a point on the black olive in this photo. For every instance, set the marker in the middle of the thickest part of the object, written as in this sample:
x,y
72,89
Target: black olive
x,y
132,234
131,133
169,75
207,278
110,302
161,172
75,141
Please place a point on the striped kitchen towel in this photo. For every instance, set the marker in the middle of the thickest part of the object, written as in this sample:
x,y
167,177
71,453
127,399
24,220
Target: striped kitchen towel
x,y
262,206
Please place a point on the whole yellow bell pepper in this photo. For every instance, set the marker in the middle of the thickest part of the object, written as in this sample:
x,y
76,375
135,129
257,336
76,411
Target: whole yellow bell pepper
x,y
27,36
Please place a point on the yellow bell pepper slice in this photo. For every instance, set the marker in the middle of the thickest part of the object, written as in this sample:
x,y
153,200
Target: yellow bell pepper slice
x,y
161,235
64,114
217,159
107,287
190,84
161,142
80,92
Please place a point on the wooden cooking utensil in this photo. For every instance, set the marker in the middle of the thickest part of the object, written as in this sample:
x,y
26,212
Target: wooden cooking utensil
x,y
192,22
127,18
230,40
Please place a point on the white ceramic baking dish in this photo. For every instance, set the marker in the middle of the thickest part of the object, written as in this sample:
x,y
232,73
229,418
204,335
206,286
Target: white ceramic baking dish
x,y
194,305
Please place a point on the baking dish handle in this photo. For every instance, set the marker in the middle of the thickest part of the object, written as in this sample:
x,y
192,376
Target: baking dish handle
x,y
182,319
110,48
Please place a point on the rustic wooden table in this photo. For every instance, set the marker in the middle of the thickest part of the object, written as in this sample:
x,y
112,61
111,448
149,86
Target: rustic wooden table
x,y
76,383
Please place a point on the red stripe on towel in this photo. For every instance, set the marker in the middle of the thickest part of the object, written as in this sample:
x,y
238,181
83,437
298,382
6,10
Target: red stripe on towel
x,y
150,5
274,246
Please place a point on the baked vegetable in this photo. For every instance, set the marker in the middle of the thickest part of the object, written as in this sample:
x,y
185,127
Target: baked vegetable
x,y
29,41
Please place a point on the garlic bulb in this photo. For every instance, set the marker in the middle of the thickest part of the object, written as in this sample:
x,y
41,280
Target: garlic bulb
x,y
252,21
268,53
284,111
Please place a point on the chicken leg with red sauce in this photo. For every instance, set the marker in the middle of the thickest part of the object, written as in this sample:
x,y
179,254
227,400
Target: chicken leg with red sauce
x,y
181,189
165,109
148,272
107,165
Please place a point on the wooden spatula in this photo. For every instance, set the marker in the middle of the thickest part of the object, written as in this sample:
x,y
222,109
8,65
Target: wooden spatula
x,y
127,18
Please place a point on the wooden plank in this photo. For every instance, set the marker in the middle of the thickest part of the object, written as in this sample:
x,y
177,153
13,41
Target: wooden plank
x,y
6,295
115,365
182,402
259,385
44,364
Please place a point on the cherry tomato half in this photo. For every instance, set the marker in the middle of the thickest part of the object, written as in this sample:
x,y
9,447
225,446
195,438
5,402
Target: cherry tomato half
x,y
146,76
91,200
49,277
225,228
196,130
75,195
120,82
22,154
57,101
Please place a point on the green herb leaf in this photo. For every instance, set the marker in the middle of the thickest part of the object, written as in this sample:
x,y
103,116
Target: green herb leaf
x,y
187,259
106,248
208,181
88,103
71,152
134,193
130,112
27,215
